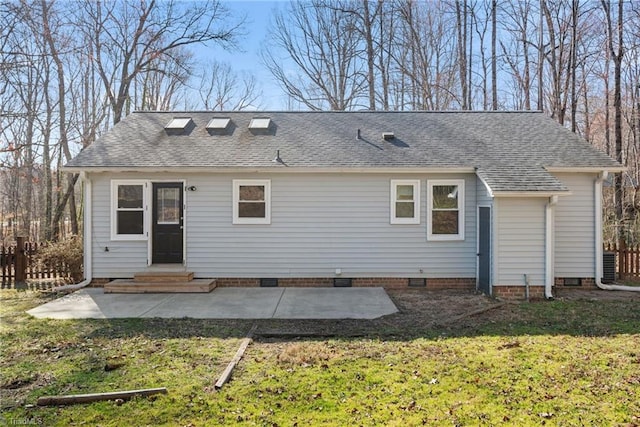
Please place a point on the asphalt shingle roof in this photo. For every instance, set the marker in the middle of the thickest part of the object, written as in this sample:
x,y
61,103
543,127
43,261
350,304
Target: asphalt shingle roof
x,y
501,178
509,149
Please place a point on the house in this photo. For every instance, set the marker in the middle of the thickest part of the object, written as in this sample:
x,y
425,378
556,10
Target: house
x,y
506,202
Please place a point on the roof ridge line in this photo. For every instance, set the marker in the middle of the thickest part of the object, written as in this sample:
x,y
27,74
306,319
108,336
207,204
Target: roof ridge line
x,y
337,112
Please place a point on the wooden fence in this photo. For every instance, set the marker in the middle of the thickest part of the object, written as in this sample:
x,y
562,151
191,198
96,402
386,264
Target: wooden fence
x,y
627,261
20,264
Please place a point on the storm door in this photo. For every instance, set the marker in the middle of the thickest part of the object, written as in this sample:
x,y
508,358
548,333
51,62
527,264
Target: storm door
x,y
168,221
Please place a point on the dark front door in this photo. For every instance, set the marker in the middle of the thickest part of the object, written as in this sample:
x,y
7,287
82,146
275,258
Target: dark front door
x,y
484,250
168,222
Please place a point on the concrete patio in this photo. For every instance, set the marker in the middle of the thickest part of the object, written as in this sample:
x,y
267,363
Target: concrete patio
x,y
224,303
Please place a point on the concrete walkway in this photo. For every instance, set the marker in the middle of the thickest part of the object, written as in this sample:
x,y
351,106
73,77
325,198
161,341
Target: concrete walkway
x,y
224,303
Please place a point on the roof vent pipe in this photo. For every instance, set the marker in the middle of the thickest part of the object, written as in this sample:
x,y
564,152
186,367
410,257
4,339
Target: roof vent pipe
x,y
358,135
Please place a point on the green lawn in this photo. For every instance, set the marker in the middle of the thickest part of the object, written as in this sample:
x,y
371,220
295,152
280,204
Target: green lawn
x,y
555,363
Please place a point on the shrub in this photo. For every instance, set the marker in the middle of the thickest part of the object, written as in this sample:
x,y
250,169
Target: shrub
x,y
68,251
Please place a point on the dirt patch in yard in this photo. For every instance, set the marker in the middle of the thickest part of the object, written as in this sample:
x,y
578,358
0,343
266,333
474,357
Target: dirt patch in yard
x,y
424,313
596,295
418,310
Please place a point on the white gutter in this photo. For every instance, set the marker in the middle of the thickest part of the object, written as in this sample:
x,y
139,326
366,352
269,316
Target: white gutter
x,y
274,169
584,169
598,214
531,193
88,214
548,247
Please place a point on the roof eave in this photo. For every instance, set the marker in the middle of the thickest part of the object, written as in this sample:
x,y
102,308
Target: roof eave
x,y
275,169
532,193
585,169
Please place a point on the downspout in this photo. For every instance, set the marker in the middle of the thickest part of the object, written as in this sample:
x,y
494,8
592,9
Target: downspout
x,y
598,219
88,215
549,246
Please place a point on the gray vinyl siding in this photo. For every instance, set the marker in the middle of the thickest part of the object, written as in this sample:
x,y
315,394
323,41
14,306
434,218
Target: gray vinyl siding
x,y
575,227
319,222
519,241
123,258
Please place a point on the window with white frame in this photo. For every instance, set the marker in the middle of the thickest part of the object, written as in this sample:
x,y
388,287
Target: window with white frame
x,y
251,201
128,204
445,209
405,201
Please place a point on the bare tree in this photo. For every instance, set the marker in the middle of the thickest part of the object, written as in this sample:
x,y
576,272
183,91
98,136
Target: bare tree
x,y
221,88
517,49
462,30
368,18
616,50
128,38
558,58
53,51
25,96
161,87
425,56
66,68
322,43
494,55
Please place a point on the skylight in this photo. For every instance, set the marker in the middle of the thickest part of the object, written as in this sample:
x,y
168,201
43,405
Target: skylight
x,y
260,123
218,123
178,123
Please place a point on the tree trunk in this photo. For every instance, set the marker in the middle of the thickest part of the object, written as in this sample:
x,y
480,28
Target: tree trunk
x,y
573,67
617,109
57,217
461,26
541,58
371,78
62,116
494,68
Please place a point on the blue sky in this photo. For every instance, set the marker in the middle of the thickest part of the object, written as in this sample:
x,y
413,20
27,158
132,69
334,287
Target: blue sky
x,y
258,15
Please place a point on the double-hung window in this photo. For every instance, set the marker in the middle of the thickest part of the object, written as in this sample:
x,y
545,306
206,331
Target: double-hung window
x,y
445,209
128,210
405,201
251,201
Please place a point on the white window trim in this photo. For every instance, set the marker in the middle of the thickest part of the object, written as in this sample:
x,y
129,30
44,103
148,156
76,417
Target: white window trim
x,y
416,201
461,212
267,199
114,210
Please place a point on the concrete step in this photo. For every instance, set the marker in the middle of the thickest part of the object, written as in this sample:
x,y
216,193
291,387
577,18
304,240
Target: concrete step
x,y
163,276
127,286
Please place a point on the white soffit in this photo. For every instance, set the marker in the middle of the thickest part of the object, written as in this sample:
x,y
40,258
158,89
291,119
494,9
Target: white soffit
x,y
219,123
178,123
260,123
